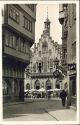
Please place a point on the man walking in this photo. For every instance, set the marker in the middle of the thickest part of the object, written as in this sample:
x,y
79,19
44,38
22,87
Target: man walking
x,y
63,95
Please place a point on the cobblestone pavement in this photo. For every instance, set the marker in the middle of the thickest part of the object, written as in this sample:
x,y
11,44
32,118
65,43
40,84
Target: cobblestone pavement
x,y
37,110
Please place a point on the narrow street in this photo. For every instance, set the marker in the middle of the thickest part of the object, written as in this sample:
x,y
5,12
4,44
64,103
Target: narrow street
x,y
37,110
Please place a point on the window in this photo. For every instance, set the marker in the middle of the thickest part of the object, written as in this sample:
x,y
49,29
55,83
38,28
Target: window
x,y
40,66
37,84
14,41
31,6
27,48
13,14
7,38
45,64
48,63
11,40
30,26
74,49
17,16
19,44
27,24
45,47
27,86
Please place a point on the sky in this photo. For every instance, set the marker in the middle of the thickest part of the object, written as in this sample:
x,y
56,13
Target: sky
x,y
53,15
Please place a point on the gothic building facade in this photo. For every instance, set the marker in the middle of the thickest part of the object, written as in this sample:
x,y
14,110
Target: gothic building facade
x,y
46,53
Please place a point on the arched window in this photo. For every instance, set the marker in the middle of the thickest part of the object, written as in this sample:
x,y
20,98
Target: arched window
x,y
37,84
48,84
44,47
27,86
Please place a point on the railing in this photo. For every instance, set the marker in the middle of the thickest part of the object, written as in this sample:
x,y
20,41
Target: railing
x,y
42,75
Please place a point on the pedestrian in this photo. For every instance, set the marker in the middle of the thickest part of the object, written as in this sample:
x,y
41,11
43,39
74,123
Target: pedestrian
x,y
63,96
49,94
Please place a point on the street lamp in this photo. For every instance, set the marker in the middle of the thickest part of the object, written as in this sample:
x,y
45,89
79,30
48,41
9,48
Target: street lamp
x,y
57,73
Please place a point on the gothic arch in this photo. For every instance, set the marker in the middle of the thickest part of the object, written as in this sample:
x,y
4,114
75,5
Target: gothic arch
x,y
37,84
27,86
48,84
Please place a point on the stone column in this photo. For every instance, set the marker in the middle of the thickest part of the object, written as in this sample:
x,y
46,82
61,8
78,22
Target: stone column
x,y
21,92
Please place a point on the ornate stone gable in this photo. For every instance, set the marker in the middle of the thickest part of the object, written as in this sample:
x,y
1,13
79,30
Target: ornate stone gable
x,y
45,52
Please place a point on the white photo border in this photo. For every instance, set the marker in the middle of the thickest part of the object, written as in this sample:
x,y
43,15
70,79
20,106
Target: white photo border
x,y
77,56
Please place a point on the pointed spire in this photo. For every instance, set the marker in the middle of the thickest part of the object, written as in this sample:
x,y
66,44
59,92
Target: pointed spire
x,y
47,20
47,12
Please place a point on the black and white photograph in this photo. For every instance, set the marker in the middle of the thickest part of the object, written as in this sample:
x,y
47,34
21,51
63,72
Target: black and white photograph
x,y
40,62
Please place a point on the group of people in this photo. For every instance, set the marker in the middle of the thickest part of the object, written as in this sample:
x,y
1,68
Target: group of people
x,y
63,95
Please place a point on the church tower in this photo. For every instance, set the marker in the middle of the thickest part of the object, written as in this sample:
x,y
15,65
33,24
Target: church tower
x,y
47,25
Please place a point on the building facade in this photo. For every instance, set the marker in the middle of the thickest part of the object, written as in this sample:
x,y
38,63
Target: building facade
x,y
45,54
68,20
18,35
63,22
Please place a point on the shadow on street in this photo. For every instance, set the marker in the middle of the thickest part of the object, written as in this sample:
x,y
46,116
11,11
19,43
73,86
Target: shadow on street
x,y
35,107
